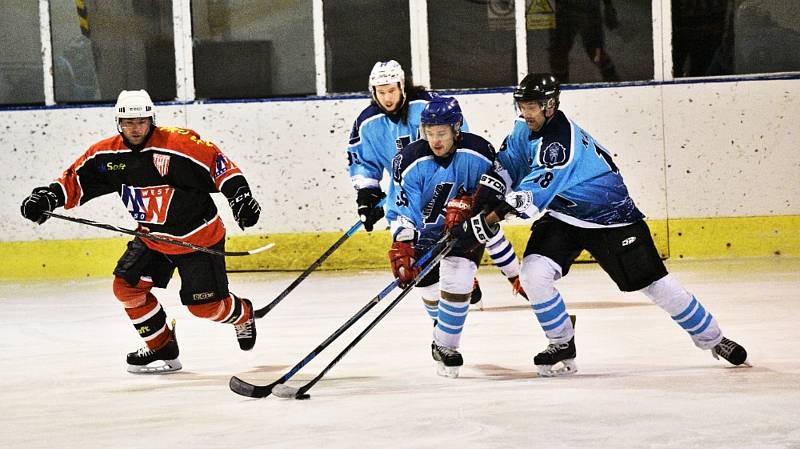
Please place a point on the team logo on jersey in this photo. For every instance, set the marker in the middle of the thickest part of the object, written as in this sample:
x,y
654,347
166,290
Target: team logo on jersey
x,y
222,164
553,155
161,161
147,204
397,161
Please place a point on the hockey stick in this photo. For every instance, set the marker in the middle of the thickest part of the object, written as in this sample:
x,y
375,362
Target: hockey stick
x,y
287,392
243,388
157,238
264,310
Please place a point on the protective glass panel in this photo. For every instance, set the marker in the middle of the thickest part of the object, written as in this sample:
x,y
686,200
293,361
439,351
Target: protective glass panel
x,y
101,48
586,41
21,79
724,37
472,43
253,48
358,34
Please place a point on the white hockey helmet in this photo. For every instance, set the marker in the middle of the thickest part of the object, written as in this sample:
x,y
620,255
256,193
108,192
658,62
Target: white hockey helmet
x,y
134,104
388,72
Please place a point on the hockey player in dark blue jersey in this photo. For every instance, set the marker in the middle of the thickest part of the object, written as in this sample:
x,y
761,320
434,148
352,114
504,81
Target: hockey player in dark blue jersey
x,y
388,124
435,178
555,166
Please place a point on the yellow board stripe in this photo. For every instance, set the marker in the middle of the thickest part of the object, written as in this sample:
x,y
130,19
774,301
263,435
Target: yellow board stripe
x,y
682,238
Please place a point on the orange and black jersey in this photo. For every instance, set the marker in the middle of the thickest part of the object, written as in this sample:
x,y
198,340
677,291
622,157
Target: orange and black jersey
x,y
165,186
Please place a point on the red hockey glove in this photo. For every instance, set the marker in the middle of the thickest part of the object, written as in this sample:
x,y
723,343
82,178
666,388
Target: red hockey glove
x,y
401,255
516,287
458,209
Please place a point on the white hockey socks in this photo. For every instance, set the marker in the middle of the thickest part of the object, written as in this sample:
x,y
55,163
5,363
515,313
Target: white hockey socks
x,y
685,310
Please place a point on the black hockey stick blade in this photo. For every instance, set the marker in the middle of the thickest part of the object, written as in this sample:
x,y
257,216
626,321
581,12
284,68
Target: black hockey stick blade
x,y
249,390
285,391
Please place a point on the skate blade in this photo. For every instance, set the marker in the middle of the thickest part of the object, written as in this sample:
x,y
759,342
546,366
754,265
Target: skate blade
x,y
447,371
563,368
157,367
477,306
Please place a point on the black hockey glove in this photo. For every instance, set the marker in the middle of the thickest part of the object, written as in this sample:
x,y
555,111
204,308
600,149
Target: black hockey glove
x,y
245,208
368,211
474,232
491,191
41,200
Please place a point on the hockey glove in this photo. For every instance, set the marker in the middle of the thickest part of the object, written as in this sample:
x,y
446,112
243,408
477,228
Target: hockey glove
x,y
245,208
401,255
491,191
458,209
368,210
516,287
475,231
41,200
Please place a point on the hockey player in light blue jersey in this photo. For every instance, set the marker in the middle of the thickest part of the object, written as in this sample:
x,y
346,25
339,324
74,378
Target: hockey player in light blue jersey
x,y
435,178
555,166
388,124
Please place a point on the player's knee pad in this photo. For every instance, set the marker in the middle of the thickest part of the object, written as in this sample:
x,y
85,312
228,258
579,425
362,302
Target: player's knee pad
x,y
131,296
219,310
668,294
537,275
456,275
429,293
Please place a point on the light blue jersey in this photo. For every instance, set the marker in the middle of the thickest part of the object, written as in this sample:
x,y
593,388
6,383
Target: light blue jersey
x,y
376,138
426,183
563,169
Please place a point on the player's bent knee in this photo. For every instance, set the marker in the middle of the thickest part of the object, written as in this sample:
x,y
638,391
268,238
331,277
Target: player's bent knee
x,y
537,275
131,296
456,275
210,311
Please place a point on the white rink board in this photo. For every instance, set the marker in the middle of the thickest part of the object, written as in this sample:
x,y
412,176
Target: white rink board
x,y
686,151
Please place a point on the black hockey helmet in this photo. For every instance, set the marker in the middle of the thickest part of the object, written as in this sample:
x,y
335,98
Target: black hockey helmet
x,y
538,87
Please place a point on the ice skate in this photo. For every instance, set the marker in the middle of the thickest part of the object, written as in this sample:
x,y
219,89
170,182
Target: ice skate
x,y
448,360
557,359
731,351
476,299
159,361
246,332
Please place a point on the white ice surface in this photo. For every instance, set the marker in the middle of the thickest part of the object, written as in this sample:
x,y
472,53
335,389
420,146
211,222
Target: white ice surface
x,y
640,381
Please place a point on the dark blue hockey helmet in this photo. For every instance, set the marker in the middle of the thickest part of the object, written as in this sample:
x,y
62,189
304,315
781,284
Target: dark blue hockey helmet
x,y
442,111
539,87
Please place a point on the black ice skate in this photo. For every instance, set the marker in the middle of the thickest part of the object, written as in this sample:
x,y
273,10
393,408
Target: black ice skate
x,y
246,332
159,361
561,355
731,351
448,360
